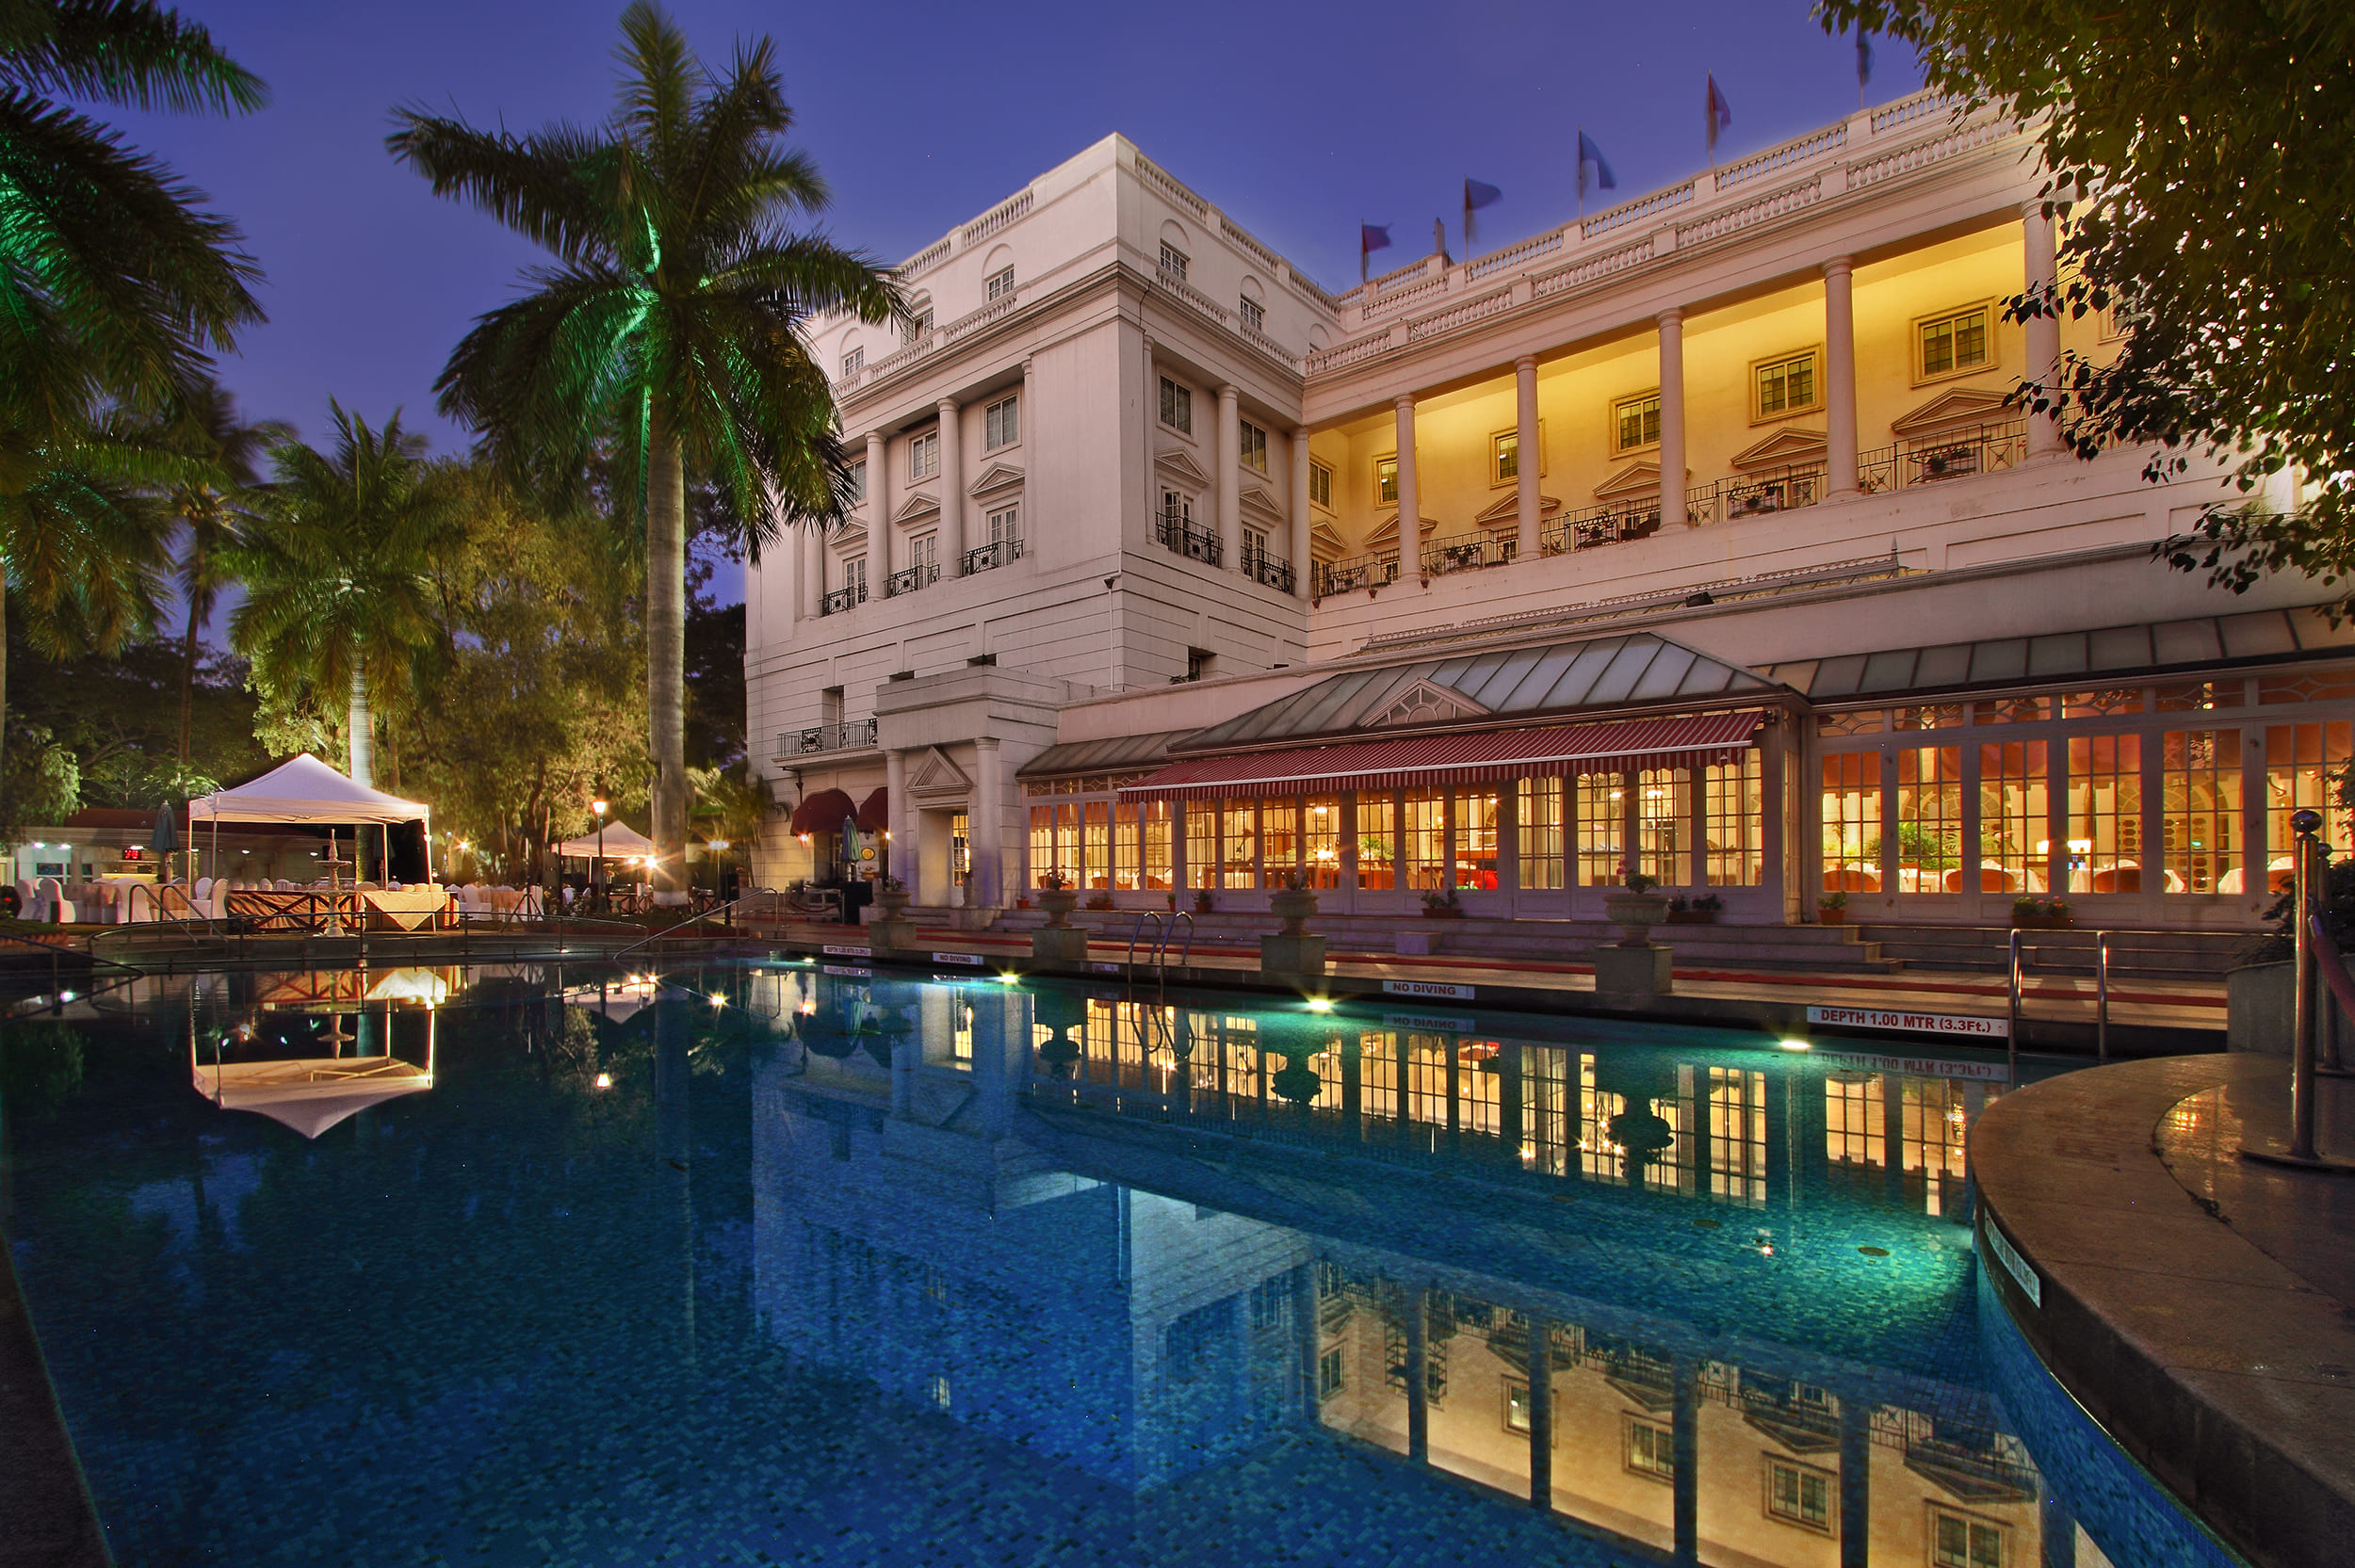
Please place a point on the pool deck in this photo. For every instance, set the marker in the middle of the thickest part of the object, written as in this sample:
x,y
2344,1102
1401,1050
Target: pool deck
x,y
2198,1305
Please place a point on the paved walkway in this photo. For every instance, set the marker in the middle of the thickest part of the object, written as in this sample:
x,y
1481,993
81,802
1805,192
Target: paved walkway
x,y
2200,1305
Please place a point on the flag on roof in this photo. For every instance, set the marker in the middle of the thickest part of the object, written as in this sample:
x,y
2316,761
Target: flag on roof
x,y
1720,114
1371,237
1863,58
1477,194
1590,154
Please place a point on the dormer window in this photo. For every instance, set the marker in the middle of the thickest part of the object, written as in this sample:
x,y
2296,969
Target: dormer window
x,y
1254,313
998,283
853,362
1173,260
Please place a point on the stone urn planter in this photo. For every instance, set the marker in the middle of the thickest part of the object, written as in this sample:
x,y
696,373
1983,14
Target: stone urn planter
x,y
1635,914
891,901
1295,907
1059,902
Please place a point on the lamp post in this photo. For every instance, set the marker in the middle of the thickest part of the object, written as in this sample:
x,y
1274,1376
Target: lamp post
x,y
597,872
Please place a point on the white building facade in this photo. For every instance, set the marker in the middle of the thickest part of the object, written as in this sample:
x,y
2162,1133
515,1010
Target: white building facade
x,y
1729,565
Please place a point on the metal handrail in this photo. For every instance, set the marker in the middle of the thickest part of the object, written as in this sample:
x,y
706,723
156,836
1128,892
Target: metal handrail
x,y
1187,915
2102,996
2011,1030
728,908
1137,932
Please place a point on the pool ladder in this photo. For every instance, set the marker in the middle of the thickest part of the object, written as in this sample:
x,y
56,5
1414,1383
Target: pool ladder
x,y
2016,969
1163,931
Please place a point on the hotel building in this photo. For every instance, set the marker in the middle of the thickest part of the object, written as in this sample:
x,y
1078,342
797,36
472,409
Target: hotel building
x,y
1694,534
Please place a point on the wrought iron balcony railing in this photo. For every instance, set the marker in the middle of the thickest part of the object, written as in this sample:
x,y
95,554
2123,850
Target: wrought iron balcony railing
x,y
1173,529
1003,552
1988,449
1272,570
854,736
842,599
1465,552
923,575
1377,568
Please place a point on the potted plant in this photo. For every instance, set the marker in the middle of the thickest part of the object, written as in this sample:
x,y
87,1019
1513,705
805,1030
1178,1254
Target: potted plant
x,y
891,896
2032,914
1636,910
1440,904
1058,897
1293,904
1702,910
1101,902
1203,903
1832,909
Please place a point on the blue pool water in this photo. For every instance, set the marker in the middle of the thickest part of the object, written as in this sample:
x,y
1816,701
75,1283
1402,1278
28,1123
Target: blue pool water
x,y
770,1265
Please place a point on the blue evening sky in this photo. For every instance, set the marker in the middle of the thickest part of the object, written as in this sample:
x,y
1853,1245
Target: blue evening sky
x,y
1300,121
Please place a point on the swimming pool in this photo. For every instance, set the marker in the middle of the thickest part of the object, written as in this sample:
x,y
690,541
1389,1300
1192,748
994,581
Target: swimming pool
x,y
767,1264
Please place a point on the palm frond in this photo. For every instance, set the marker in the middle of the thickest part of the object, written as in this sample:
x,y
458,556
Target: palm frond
x,y
554,187
128,51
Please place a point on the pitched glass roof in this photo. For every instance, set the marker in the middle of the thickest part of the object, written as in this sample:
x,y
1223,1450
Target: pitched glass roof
x,y
1098,756
1638,670
2113,651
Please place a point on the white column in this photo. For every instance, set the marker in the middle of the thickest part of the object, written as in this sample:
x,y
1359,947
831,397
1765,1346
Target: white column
x,y
878,510
1840,443
1671,418
2043,331
1300,547
899,844
1527,509
951,489
811,591
1410,496
1151,451
1229,477
987,827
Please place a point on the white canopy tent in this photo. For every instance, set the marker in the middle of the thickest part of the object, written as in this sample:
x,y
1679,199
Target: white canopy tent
x,y
306,790
313,1094
622,842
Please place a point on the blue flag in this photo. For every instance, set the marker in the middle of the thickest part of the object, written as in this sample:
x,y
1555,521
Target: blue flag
x,y
1371,237
1863,58
1720,114
1476,195
1590,154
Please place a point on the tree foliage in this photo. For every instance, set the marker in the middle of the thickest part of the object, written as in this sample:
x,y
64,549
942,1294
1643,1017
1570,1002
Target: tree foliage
x,y
2202,154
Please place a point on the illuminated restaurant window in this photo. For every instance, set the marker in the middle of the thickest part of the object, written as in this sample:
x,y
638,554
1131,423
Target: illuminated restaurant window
x,y
1423,839
2320,686
2200,696
2102,704
1852,822
1377,841
1929,820
1737,1135
2200,789
2014,803
1853,1119
1540,829
2012,710
1860,721
1930,715
2104,828
1201,843
1600,825
1321,840
1096,857
1733,822
1662,824
1476,839
1239,843
2299,760
1279,839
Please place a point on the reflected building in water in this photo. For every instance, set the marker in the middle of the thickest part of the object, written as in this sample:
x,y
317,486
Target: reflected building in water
x,y
1713,1306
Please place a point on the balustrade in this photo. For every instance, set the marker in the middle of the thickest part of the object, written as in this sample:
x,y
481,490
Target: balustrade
x,y
1615,524
1378,569
1467,552
1988,449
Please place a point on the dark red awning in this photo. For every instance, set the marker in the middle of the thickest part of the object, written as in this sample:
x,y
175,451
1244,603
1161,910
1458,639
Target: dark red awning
x,y
874,812
823,811
1464,756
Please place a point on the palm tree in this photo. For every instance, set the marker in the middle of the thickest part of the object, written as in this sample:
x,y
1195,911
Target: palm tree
x,y
666,336
112,288
337,568
211,508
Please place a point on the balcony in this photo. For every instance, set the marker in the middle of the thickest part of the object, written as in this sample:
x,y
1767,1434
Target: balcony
x,y
1001,552
843,599
1595,526
1467,552
1988,449
859,734
1260,567
923,575
1756,495
1351,573
1176,530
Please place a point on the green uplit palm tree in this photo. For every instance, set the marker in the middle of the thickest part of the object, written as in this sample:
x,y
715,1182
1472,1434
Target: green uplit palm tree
x,y
113,287
211,508
337,567
664,338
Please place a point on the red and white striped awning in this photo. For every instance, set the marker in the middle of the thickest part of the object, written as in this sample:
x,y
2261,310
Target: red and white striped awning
x,y
1461,757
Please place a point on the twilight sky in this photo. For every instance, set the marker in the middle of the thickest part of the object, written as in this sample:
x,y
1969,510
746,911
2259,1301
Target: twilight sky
x,y
1299,122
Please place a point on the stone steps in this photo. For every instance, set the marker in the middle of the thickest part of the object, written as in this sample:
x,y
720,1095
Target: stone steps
x,y
2136,955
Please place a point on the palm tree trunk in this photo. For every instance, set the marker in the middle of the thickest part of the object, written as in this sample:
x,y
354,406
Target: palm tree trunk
x,y
666,653
362,740
3,680
188,682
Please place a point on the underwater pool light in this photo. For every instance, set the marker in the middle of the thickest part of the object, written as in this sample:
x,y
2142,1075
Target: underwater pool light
x,y
1320,1004
1796,1045
1007,977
